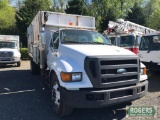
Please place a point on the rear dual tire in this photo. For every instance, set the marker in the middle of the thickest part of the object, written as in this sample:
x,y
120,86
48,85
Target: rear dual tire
x,y
34,67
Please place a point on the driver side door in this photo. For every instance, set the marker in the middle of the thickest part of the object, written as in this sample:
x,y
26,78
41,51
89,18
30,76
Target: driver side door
x,y
53,49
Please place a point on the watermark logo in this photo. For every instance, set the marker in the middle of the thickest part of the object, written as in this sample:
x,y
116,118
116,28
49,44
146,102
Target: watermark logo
x,y
141,111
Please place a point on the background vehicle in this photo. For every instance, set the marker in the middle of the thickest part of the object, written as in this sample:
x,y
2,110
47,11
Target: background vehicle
x,y
9,50
126,34
127,41
149,51
85,70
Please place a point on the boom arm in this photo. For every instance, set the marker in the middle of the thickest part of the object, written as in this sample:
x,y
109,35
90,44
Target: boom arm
x,y
126,26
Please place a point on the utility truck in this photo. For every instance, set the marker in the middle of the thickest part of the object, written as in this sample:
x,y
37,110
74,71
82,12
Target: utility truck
x,y
10,50
85,69
149,51
126,34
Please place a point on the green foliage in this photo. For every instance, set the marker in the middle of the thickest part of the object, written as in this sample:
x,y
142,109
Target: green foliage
x,y
137,15
76,7
58,5
26,14
7,20
110,16
153,13
105,10
24,53
102,10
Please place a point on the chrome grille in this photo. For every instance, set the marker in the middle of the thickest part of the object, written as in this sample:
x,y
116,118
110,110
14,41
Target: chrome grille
x,y
103,70
6,54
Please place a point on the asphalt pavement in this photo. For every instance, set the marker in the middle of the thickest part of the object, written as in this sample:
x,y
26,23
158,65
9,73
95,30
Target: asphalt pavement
x,y
24,96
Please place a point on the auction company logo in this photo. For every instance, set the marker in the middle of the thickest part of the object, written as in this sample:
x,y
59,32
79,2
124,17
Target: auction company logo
x,y
141,111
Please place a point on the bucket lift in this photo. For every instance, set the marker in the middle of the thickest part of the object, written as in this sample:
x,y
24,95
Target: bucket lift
x,y
122,26
127,34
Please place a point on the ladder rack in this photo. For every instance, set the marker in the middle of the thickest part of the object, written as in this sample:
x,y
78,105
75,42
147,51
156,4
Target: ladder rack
x,y
127,26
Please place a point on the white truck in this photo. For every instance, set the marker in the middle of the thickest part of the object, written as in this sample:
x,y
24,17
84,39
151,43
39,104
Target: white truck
x,y
85,70
126,34
10,50
149,51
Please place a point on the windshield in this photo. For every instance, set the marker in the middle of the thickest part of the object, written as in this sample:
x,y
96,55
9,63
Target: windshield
x,y
113,40
82,36
150,42
8,45
127,41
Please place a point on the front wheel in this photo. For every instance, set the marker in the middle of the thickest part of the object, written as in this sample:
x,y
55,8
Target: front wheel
x,y
18,64
59,106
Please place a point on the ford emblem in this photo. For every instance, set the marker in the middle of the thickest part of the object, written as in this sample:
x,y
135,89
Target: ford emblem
x,y
120,71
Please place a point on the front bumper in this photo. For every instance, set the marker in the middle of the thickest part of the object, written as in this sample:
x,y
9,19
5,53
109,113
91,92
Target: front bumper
x,y
101,98
9,60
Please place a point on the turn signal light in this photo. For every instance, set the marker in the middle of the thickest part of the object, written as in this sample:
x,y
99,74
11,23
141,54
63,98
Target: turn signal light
x,y
66,77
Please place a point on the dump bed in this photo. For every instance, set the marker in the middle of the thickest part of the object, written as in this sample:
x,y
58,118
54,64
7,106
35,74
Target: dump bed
x,y
45,22
57,21
68,20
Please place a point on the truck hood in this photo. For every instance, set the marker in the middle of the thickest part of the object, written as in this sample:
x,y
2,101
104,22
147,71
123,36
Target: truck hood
x,y
95,50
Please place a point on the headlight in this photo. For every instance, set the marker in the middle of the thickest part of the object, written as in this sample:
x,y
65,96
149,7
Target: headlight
x,y
71,77
16,55
143,71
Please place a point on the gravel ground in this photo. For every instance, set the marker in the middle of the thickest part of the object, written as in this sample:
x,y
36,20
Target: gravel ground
x,y
151,99
24,96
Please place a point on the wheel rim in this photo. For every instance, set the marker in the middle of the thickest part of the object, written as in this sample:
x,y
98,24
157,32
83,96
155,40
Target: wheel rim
x,y
56,94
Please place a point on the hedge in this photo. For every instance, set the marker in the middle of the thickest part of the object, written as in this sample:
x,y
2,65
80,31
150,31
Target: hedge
x,y
24,53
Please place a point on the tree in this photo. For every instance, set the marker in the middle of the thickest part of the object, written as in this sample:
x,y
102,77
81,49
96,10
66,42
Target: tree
x,y
7,18
95,9
26,14
105,10
137,15
152,11
111,16
76,7
59,5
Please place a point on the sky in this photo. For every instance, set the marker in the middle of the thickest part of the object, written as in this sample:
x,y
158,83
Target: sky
x,y
13,2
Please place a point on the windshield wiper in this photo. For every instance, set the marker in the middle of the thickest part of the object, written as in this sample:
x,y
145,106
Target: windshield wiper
x,y
98,43
71,42
85,42
101,43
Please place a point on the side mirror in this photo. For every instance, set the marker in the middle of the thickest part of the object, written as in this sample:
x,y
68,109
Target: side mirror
x,y
56,44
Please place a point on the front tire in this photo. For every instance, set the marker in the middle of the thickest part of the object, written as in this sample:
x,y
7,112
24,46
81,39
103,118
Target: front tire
x,y
18,64
59,106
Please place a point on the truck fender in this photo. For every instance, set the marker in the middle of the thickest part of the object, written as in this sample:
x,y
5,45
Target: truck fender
x,y
142,65
65,65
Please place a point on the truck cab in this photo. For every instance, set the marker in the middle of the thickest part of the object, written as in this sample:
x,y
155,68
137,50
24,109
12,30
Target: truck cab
x,y
126,34
149,51
127,41
9,50
85,69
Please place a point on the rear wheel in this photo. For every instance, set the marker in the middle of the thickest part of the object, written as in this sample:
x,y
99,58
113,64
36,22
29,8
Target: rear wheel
x,y
59,106
34,67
